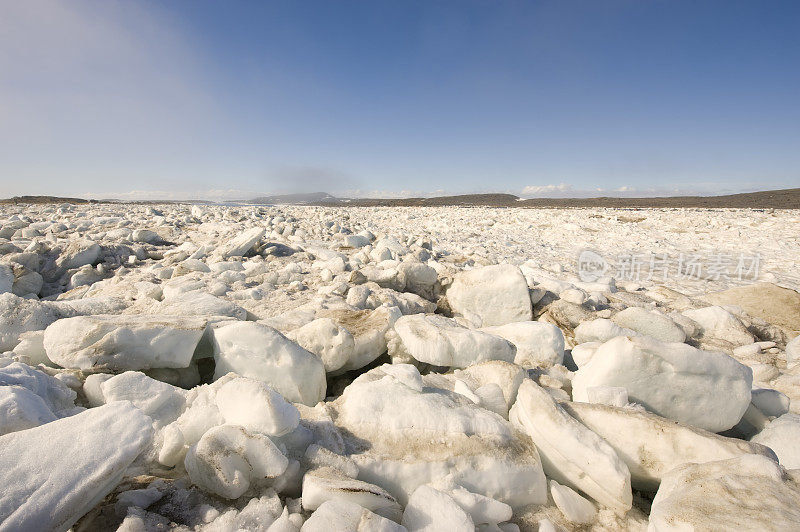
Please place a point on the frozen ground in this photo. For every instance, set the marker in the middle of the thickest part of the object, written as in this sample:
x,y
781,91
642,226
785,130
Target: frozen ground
x,y
398,368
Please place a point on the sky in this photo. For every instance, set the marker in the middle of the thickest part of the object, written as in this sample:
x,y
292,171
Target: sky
x,y
194,99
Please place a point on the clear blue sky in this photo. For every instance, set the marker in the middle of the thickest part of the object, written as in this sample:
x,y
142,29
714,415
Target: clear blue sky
x,y
224,99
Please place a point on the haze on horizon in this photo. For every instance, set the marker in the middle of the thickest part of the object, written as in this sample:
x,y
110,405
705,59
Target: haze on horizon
x,y
198,99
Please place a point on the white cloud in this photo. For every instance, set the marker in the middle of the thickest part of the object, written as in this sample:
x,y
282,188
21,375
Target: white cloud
x,y
548,191
564,190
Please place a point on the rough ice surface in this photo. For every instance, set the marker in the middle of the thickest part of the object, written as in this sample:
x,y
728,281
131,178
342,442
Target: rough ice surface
x,y
53,474
651,445
442,341
229,458
496,295
123,342
288,368
572,453
746,493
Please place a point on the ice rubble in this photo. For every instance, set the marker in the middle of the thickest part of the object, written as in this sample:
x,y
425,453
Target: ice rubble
x,y
305,368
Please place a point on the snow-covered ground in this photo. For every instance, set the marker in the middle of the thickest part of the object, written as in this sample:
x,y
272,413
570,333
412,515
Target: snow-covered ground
x,y
286,368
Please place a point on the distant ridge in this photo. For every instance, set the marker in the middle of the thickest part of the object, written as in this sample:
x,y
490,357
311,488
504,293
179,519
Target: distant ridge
x,y
44,199
298,199
769,199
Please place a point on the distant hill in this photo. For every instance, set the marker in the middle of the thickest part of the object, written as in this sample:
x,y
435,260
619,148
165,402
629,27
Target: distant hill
x,y
298,199
770,199
45,199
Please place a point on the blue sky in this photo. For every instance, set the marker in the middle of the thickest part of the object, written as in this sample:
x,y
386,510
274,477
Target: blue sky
x,y
220,100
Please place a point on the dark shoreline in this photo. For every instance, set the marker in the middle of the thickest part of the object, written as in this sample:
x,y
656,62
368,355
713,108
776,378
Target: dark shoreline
x,y
769,199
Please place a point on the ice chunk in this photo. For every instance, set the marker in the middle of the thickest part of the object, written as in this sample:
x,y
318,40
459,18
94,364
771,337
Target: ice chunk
x,y
600,330
442,341
583,353
53,474
649,323
782,436
716,322
260,352
228,459
343,515
538,344
430,510
241,244
57,396
481,509
31,345
127,342
507,376
18,315
651,445
368,328
325,484
571,453
22,409
495,294
749,492
6,279
329,341
574,507
404,373
257,407
415,437
705,389
159,400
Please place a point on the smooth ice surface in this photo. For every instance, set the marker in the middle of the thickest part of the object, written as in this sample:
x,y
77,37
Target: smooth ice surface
x,y
430,510
256,406
260,352
53,474
325,484
344,515
782,435
705,389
